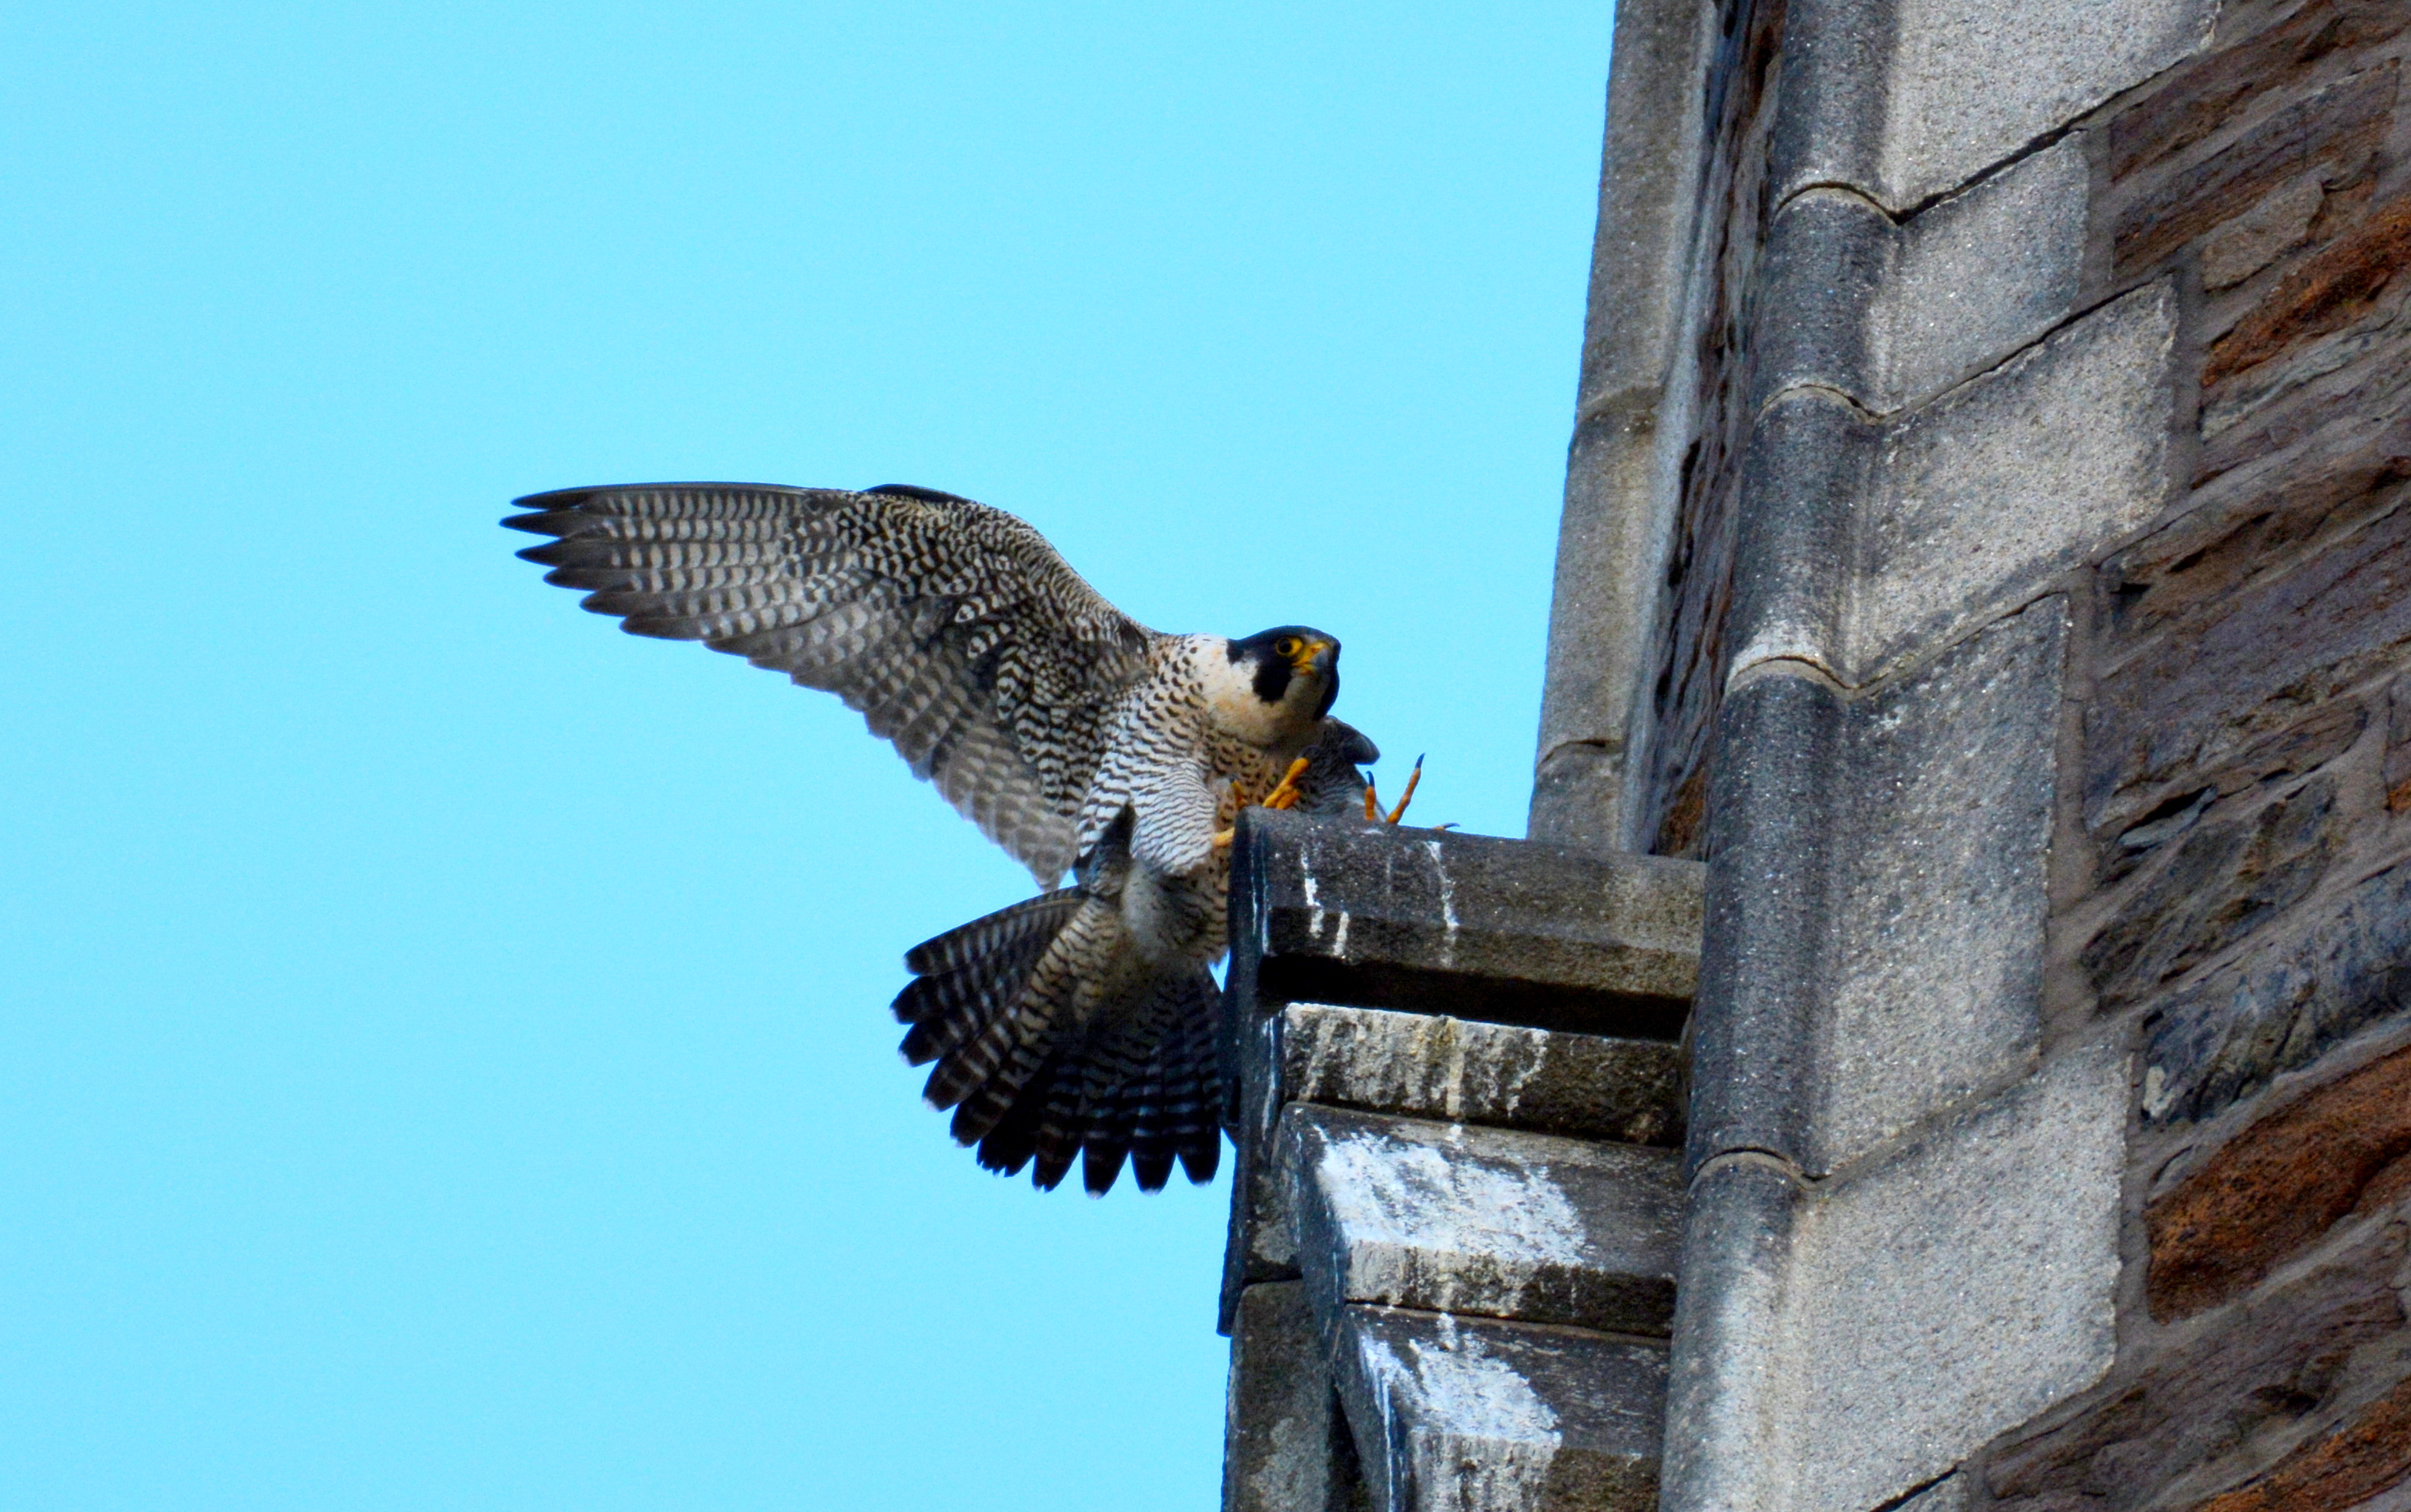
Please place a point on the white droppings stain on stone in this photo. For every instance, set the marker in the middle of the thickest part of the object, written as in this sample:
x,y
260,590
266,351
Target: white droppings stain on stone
x,y
2155,1092
1411,1216
1439,1401
1340,939
1447,903
1313,908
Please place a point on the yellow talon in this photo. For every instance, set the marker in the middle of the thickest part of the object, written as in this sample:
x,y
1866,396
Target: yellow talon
x,y
1285,793
1406,797
1222,838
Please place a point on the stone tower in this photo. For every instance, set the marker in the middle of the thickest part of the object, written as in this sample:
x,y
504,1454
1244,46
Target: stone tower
x,y
1947,1043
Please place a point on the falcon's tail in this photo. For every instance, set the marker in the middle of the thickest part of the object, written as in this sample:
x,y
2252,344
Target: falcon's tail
x,y
990,1005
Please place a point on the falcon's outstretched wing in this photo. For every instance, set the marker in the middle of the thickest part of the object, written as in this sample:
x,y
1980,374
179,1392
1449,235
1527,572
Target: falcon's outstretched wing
x,y
954,628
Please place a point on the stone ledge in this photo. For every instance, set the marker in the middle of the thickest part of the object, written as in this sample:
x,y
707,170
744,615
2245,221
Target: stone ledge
x,y
1445,1218
1426,1066
1466,1071
1458,1415
1506,931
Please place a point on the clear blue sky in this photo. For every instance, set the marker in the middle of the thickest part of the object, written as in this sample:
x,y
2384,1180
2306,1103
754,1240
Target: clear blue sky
x,y
445,1060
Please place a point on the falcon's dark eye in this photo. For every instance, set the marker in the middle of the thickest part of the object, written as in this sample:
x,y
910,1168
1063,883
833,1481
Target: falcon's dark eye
x,y
1285,646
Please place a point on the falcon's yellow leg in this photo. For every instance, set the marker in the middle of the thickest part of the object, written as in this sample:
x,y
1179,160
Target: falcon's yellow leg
x,y
1285,793
1373,800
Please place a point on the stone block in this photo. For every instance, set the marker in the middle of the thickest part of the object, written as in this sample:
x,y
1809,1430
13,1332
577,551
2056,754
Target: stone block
x,y
2368,1454
1279,1434
1894,315
1853,1342
2201,96
1504,931
2256,658
1855,989
2222,881
1449,1218
2251,524
2335,308
1955,1291
1464,1071
2276,1366
2329,131
1426,1066
1908,100
2272,1190
1463,1415
2013,478
2376,386
2283,1006
1865,546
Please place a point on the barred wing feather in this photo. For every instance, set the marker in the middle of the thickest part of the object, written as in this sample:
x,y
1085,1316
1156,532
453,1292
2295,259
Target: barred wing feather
x,y
954,628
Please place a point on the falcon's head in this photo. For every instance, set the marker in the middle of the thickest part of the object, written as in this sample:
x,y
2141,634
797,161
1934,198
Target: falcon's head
x,y
1277,686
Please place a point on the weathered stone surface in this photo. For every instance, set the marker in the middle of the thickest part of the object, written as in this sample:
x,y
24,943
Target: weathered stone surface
x,y
1462,1415
1448,1218
1464,1071
2262,234
2327,732
2339,286
2283,1006
2370,1454
2257,662
2397,768
2278,1362
2006,481
1957,1291
1966,84
2376,386
2337,126
2343,306
1952,1493
2273,1188
1859,988
1945,782
2201,96
1278,1443
1892,315
1980,274
1959,508
1507,931
2223,881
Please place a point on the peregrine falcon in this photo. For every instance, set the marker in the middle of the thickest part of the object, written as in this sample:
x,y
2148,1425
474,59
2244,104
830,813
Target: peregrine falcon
x,y
1079,1023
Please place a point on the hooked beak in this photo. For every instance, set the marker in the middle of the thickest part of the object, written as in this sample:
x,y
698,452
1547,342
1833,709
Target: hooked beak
x,y
1316,655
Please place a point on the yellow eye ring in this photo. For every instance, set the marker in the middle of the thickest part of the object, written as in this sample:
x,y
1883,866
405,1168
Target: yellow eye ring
x,y
1285,646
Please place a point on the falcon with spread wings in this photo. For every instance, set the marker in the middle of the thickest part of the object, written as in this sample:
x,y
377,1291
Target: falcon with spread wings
x,y
1079,1023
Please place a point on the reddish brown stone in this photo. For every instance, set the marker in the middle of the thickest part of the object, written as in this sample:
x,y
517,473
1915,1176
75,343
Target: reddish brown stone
x,y
2202,96
2277,1186
2339,124
2341,285
2376,386
2368,1455
2275,1362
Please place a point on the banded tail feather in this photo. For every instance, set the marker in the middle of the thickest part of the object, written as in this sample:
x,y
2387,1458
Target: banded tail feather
x,y
1041,1073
